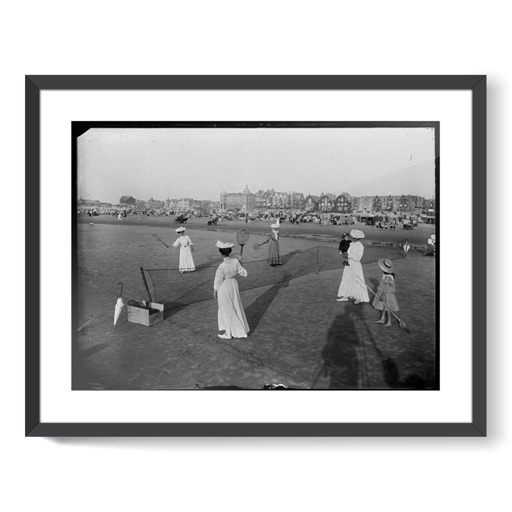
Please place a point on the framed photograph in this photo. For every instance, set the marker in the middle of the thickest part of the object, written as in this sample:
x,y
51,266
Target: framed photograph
x,y
255,256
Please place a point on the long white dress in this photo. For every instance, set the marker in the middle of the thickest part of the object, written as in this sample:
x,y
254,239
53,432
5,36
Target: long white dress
x,y
186,260
231,313
350,285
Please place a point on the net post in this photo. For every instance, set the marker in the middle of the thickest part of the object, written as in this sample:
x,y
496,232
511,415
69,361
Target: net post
x,y
317,257
146,285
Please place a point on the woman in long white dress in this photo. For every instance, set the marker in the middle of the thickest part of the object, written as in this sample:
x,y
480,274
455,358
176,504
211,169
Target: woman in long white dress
x,y
186,247
231,315
352,283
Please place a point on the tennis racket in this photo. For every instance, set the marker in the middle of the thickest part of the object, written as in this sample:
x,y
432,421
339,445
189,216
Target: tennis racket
x,y
156,237
257,246
242,237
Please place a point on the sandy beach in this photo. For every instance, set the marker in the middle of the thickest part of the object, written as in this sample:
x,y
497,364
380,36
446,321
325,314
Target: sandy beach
x,y
300,337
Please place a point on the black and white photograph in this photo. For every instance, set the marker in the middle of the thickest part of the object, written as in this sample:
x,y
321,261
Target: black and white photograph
x,y
256,256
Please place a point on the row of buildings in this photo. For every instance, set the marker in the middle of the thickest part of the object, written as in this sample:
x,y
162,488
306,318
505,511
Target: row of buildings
x,y
269,199
182,204
246,201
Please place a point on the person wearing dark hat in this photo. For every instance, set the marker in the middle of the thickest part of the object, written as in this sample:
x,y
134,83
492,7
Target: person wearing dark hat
x,y
345,243
385,298
343,248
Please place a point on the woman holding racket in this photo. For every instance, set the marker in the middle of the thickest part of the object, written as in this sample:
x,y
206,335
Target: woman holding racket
x,y
231,315
274,254
186,247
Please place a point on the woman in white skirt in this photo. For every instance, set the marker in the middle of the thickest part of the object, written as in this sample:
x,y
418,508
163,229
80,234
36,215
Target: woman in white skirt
x,y
186,247
231,315
352,283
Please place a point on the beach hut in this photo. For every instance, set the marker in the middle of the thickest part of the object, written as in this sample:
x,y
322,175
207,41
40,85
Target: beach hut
x,y
367,218
345,218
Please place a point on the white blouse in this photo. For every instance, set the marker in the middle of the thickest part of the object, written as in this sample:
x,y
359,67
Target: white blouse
x,y
228,269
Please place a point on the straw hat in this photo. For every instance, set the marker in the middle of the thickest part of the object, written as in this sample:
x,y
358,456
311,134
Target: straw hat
x,y
385,265
180,230
224,245
355,233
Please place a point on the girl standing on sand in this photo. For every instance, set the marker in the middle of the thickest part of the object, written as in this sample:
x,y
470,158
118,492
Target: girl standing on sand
x,y
385,298
186,247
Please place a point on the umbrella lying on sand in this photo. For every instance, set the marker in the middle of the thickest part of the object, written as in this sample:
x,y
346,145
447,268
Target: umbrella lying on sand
x,y
119,305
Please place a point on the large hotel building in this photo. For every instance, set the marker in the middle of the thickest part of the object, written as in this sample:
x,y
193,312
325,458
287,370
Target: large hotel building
x,y
244,201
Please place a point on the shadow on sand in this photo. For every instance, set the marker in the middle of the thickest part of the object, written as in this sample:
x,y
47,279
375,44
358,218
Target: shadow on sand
x,y
345,357
256,311
171,308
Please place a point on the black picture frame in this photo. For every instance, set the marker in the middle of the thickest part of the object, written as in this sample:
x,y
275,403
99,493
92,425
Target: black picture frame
x,y
476,84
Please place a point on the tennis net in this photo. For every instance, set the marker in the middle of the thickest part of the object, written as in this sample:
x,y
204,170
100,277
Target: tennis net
x,y
174,289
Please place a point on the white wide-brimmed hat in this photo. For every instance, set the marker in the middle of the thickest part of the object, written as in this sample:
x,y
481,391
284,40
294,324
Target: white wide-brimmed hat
x,y
180,230
386,265
355,233
224,245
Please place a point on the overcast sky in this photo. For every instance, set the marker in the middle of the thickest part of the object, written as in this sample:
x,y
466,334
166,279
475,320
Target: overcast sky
x,y
201,162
